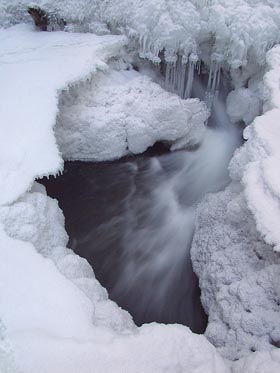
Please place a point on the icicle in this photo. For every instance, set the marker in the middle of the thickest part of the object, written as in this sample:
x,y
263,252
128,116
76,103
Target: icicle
x,y
168,76
181,77
189,85
218,81
199,67
214,80
210,78
213,83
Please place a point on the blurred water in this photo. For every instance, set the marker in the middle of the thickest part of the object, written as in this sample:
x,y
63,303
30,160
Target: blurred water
x,y
134,221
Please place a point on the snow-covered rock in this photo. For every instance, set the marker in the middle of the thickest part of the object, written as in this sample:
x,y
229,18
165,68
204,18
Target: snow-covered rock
x,y
123,112
237,231
238,274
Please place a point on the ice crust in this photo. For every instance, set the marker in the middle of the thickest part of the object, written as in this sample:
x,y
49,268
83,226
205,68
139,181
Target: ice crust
x,y
123,112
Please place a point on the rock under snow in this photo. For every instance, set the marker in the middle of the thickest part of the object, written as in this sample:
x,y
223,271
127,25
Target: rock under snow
x,y
238,274
123,112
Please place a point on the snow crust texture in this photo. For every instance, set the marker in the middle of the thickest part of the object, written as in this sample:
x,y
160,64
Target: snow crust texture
x,y
35,67
123,112
238,275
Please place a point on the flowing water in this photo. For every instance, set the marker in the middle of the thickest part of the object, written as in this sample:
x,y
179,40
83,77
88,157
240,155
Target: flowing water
x,y
133,220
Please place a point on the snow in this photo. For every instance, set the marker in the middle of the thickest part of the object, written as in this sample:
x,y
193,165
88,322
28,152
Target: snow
x,y
35,67
261,362
58,318
238,275
243,105
123,112
54,315
256,165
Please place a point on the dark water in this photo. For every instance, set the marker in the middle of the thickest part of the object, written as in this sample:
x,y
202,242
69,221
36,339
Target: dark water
x,y
133,220
113,221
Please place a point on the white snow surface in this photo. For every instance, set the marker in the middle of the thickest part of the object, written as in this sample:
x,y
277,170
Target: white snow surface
x,y
123,112
35,67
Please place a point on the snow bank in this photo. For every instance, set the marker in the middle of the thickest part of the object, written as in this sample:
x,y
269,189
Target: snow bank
x,y
35,67
58,318
123,112
238,274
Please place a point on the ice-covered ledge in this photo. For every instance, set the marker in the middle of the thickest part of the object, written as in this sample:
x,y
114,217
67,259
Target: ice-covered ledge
x,y
35,67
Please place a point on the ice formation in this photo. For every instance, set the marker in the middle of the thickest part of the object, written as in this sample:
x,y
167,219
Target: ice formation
x,y
123,112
